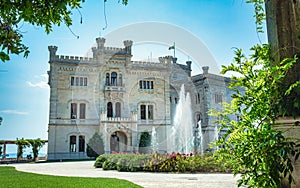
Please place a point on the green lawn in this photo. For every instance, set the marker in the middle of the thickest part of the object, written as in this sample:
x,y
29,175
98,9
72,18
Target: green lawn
x,y
9,177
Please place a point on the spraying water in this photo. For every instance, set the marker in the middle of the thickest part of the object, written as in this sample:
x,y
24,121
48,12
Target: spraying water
x,y
182,130
154,143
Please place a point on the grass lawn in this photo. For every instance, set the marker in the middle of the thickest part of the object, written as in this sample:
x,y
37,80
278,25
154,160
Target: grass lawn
x,y
10,177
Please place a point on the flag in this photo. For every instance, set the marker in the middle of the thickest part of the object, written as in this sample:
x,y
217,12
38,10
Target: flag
x,y
172,47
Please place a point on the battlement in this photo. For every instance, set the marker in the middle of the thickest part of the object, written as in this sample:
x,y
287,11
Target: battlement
x,y
101,48
76,58
147,63
114,50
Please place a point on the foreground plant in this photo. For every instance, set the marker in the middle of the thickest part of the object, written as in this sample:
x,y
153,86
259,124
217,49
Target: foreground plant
x,y
156,162
259,152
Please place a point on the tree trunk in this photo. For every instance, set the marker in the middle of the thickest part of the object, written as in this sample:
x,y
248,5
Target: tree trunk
x,y
283,26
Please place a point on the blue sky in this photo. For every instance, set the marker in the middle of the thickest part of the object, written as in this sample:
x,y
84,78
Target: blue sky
x,y
24,98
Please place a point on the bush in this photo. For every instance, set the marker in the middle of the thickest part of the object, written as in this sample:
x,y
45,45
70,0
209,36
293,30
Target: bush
x,y
157,162
145,142
100,160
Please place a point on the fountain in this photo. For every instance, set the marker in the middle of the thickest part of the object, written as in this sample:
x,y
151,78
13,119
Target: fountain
x,y
154,143
200,136
182,130
216,135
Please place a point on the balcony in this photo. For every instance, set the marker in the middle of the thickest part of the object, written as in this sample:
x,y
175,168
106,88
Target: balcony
x,y
114,88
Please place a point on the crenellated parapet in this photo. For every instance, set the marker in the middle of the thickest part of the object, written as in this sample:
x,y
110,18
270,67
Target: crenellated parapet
x,y
167,59
101,49
149,64
75,58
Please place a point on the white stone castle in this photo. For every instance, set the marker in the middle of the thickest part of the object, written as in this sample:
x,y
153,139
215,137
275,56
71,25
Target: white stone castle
x,y
119,98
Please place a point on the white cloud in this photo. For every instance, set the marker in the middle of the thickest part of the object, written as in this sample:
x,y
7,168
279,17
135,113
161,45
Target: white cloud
x,y
44,76
40,84
13,112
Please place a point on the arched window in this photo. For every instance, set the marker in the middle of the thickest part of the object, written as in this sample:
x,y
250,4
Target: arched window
x,y
114,76
107,79
72,143
118,109
109,109
81,144
120,80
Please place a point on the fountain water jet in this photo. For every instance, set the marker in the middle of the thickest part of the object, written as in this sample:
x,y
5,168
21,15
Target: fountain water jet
x,y
216,135
182,131
154,143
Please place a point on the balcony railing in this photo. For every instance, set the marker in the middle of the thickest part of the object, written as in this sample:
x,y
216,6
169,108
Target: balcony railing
x,y
115,88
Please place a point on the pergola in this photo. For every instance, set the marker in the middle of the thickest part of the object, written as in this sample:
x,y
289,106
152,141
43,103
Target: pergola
x,y
5,142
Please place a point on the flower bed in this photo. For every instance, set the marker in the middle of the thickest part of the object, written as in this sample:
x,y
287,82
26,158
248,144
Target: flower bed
x,y
156,162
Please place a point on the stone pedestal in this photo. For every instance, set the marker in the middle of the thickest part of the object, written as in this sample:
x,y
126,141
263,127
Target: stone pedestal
x,y
291,131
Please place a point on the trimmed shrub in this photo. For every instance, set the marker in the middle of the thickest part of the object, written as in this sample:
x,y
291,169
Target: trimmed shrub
x,y
157,162
145,142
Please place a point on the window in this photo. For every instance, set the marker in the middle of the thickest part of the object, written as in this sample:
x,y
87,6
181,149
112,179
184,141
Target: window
x,y
141,84
175,100
73,143
114,78
73,110
146,84
107,79
81,143
81,81
146,111
198,98
85,82
118,109
143,111
82,111
150,111
109,109
218,98
72,81
78,81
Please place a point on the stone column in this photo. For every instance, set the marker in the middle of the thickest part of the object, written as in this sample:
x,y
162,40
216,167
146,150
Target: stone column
x,y
4,151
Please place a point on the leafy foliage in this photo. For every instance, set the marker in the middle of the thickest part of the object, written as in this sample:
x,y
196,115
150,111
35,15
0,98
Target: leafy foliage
x,y
95,146
259,13
22,144
145,141
36,144
156,162
259,152
42,13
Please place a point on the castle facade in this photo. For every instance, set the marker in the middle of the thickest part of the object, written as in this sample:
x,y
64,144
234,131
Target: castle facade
x,y
119,98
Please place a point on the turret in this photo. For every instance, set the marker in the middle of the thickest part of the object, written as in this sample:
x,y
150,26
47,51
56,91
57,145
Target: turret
x,y
128,45
100,42
52,52
189,63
